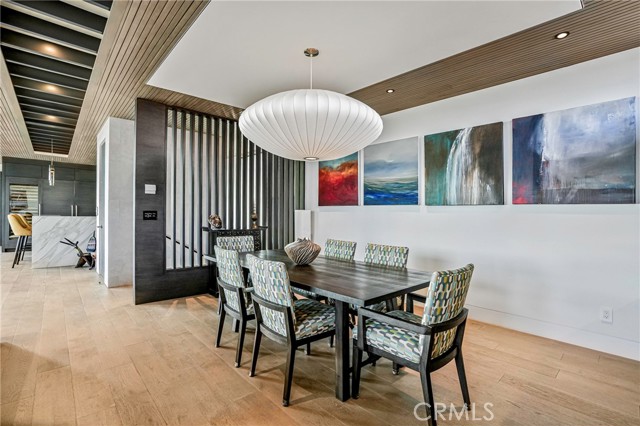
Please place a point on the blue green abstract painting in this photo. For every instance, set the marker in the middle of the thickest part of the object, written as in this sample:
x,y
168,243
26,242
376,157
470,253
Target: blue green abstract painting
x,y
584,155
464,167
391,173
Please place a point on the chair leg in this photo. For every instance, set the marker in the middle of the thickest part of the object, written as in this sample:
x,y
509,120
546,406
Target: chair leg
x,y
256,351
288,377
331,341
243,329
24,247
235,325
409,303
308,349
357,369
427,391
220,326
395,369
463,379
17,255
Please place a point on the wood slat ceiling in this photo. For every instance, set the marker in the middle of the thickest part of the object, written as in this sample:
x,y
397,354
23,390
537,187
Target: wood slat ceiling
x,y
49,48
139,35
602,28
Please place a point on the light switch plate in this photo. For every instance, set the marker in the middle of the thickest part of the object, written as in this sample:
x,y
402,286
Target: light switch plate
x,y
149,189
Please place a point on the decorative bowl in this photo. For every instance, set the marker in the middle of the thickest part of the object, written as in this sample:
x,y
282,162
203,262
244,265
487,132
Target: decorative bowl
x,y
303,251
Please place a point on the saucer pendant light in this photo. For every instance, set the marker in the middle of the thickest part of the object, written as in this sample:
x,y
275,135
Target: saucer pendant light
x,y
52,170
310,124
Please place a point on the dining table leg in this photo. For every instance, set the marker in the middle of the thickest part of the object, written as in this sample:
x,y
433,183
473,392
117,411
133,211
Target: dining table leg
x,y
343,389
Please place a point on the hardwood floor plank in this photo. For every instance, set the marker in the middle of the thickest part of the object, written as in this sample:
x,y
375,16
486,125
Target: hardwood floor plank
x,y
133,401
54,402
76,352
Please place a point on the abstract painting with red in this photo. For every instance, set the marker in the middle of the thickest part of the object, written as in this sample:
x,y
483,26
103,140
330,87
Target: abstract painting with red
x,y
338,182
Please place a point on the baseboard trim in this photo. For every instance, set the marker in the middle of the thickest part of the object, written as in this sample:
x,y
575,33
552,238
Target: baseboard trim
x,y
599,342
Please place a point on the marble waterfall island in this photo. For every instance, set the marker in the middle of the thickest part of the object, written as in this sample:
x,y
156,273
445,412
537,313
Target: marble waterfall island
x,y
48,231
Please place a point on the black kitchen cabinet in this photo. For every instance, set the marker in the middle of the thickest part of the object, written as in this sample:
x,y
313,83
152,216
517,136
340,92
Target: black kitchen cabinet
x,y
57,200
74,192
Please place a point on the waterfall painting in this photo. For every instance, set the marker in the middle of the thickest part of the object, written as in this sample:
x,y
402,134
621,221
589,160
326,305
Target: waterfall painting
x,y
391,173
338,181
464,167
584,155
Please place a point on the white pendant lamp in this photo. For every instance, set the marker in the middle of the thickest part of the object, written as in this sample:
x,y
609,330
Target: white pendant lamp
x,y
310,124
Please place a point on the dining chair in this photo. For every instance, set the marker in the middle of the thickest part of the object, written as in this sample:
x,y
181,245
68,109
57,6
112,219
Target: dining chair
x,y
235,298
240,243
20,228
283,319
340,249
388,256
425,343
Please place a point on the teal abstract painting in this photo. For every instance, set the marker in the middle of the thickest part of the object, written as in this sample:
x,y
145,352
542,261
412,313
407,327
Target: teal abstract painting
x,y
391,173
464,167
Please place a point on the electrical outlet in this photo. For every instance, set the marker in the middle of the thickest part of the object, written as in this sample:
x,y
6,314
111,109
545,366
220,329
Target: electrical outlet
x,y
606,314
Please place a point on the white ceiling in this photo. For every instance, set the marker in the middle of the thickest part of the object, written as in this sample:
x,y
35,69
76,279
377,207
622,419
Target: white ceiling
x,y
238,52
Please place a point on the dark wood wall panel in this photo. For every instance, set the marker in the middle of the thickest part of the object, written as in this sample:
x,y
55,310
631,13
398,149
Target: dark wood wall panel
x,y
152,281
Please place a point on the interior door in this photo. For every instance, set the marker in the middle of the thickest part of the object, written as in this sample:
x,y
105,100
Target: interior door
x,y
57,200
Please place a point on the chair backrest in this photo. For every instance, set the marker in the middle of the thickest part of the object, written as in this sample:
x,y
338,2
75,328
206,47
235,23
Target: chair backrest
x,y
445,300
379,254
271,283
241,243
340,249
15,221
23,221
229,271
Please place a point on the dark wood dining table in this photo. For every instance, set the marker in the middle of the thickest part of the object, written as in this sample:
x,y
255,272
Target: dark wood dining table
x,y
346,282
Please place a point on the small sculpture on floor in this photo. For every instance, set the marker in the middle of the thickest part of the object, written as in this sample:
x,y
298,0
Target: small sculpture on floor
x,y
83,257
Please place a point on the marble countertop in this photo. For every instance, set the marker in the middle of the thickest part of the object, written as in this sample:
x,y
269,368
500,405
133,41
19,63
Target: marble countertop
x,y
48,231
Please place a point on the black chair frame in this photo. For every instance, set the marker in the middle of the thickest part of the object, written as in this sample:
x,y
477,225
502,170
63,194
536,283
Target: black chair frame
x,y
426,365
21,248
290,340
240,317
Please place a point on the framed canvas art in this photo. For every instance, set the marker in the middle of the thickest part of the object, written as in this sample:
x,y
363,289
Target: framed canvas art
x,y
338,181
584,155
391,173
464,166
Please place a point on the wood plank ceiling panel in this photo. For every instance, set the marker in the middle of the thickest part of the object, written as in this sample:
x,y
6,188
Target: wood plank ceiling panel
x,y
602,28
138,37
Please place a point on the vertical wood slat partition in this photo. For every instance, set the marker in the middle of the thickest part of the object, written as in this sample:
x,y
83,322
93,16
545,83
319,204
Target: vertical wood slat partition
x,y
213,169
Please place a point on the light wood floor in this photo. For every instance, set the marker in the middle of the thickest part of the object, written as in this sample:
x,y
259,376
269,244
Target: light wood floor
x,y
74,352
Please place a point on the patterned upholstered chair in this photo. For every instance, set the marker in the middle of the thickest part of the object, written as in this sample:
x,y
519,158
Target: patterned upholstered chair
x,y
388,256
241,243
425,343
283,319
340,249
235,298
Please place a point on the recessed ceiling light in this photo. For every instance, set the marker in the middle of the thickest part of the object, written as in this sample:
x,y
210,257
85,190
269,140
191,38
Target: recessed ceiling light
x,y
50,49
391,90
311,158
50,87
562,35
51,117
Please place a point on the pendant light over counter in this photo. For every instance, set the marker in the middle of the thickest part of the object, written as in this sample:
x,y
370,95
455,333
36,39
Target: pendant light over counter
x,y
52,170
310,124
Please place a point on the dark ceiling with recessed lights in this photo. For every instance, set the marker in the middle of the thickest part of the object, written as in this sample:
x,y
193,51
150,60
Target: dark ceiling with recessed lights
x,y
50,48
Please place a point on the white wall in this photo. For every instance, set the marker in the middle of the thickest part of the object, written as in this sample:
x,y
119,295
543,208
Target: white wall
x,y
119,137
541,269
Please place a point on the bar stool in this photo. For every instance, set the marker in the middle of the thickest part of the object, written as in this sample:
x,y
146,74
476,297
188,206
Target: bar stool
x,y
22,229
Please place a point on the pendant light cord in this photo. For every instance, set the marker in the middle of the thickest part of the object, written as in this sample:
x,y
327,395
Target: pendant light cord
x,y
310,72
